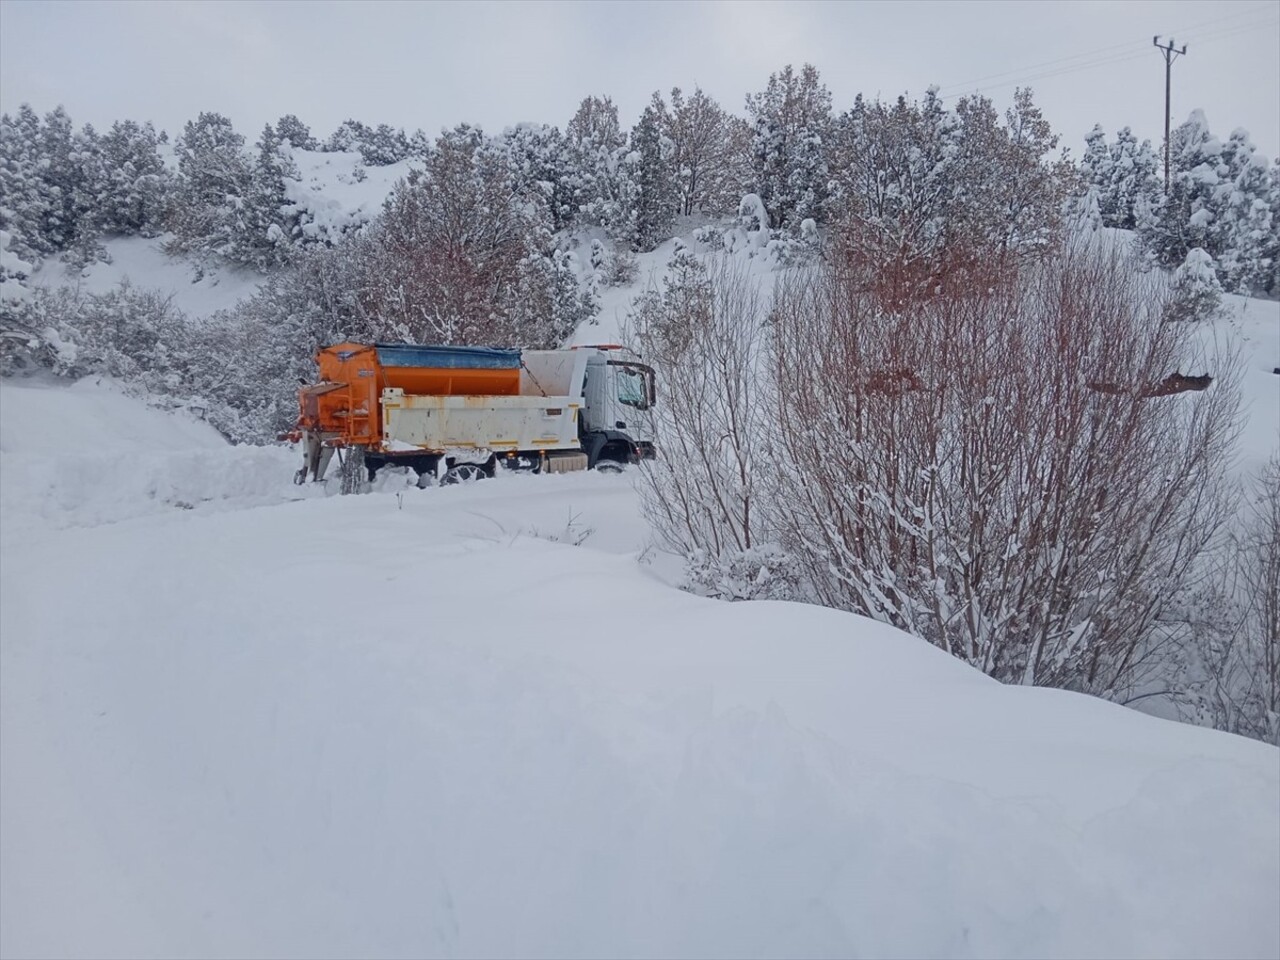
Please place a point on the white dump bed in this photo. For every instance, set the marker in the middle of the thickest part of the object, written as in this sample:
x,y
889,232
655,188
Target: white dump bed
x,y
445,424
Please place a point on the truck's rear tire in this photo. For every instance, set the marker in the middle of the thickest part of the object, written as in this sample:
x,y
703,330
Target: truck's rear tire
x,y
463,473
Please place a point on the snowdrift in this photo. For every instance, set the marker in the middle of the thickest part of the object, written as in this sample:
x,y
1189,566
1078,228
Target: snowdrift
x,y
407,724
89,454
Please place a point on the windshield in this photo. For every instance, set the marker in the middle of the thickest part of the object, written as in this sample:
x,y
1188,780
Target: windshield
x,y
634,384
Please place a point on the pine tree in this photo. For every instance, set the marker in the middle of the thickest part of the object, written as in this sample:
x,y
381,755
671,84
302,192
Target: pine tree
x,y
653,176
792,119
137,182
1247,229
271,221
214,179
596,147
22,201
290,128
1134,173
348,137
540,162
1098,168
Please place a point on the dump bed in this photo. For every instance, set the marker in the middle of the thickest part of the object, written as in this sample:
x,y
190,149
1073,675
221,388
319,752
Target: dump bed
x,y
444,424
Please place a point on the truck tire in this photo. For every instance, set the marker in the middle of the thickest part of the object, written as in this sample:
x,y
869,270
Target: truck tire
x,y
609,466
463,473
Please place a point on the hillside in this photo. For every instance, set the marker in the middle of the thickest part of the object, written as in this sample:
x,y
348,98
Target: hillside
x,y
413,724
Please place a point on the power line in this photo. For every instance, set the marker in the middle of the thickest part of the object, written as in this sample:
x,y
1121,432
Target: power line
x,y
1113,58
1127,45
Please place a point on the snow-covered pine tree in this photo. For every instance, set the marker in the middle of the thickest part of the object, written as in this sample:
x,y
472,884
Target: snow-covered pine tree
x,y
385,146
70,181
1196,291
1098,168
22,200
137,182
539,161
597,146
1218,201
290,128
1134,174
651,169
348,137
271,227
1271,282
791,122
208,213
1246,229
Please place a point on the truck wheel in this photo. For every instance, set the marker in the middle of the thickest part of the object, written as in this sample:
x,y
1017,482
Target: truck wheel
x,y
610,466
463,473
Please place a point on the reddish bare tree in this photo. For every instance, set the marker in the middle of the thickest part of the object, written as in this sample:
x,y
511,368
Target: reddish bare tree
x,y
1000,507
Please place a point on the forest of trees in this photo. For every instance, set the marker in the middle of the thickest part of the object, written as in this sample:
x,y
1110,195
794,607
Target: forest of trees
x,y
898,169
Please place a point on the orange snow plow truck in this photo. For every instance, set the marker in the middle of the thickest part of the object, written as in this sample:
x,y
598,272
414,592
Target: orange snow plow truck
x,y
461,413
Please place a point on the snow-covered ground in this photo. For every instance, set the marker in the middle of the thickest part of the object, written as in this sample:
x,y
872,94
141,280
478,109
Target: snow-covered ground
x,y
143,263
425,723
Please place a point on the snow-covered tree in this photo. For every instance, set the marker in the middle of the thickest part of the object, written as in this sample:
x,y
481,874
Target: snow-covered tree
x,y
137,182
1135,175
463,254
209,215
712,159
597,147
1098,168
791,122
290,128
271,227
22,198
1247,230
1196,290
348,137
651,168
540,162
1217,200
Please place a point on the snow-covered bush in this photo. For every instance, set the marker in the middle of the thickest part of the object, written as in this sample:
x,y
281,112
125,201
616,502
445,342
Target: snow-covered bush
x,y
705,496
711,238
1196,293
764,572
613,266
964,468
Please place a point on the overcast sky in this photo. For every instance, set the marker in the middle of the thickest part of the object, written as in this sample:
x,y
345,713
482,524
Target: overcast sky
x,y
431,65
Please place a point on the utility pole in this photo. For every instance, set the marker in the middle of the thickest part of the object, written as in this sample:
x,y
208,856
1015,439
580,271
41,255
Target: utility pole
x,y
1170,54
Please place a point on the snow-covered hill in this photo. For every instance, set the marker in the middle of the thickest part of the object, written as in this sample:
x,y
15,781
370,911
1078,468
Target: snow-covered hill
x,y
424,723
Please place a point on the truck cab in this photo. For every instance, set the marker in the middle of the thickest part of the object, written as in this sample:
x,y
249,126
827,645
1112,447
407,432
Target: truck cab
x,y
616,424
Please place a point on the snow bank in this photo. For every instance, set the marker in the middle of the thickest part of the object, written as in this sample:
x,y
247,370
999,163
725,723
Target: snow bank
x,y
89,454
405,725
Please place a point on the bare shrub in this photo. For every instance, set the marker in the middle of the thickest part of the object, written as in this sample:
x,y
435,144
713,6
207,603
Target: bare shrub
x,y
948,468
1232,654
704,330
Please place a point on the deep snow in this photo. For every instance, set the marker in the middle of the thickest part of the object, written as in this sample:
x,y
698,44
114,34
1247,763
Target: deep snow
x,y
406,724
